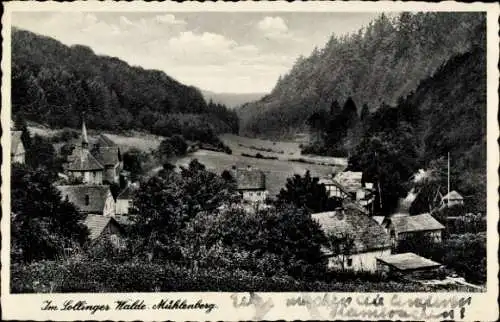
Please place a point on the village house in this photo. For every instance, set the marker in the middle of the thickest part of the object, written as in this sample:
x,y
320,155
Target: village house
x,y
82,165
403,226
96,162
124,200
95,199
251,184
17,150
362,239
108,154
409,264
451,199
348,186
102,228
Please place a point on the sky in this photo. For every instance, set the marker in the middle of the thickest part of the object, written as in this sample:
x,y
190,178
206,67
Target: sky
x,y
224,52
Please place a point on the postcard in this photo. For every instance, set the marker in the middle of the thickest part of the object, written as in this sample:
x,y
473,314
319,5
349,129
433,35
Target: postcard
x,y
249,161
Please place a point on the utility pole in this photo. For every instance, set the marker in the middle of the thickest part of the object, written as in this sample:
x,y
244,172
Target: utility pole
x,y
448,173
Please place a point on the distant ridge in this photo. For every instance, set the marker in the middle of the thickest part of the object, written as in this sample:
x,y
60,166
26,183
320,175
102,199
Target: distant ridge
x,y
232,100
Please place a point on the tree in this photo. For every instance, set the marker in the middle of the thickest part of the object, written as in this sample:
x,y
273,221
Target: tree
x,y
365,112
306,191
165,204
271,241
42,154
43,223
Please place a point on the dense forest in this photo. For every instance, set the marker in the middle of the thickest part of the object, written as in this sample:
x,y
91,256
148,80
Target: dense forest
x,y
382,62
445,114
54,84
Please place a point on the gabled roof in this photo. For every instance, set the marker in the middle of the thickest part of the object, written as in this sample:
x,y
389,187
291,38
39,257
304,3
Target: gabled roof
x,y
82,160
408,262
104,141
97,223
127,193
350,180
367,234
106,155
453,195
16,142
250,179
76,194
422,222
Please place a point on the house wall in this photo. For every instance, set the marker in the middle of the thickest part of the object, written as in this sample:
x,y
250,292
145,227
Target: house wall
x,y
122,206
361,262
111,173
109,206
90,177
435,235
254,195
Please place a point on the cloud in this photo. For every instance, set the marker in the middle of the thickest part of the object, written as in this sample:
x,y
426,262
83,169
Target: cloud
x,y
273,27
169,19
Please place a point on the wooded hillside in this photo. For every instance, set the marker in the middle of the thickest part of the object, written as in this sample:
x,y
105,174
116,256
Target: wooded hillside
x,y
382,62
53,84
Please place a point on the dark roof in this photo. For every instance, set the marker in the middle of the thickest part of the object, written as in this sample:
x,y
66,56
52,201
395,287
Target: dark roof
x,y
408,261
349,180
423,222
15,141
76,194
366,232
97,223
106,155
127,193
104,141
250,179
82,160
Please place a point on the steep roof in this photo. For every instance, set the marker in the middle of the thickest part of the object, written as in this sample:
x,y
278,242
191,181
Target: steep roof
x,y
453,195
104,141
367,234
15,142
250,179
97,223
76,194
106,155
127,193
408,261
350,180
82,160
422,222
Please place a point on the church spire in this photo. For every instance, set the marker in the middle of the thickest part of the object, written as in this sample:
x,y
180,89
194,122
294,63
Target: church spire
x,y
85,140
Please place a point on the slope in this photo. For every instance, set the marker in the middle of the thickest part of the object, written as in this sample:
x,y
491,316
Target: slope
x,y
380,63
54,84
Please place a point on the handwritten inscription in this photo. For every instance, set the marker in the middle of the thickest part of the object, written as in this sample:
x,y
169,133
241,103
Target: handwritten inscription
x,y
261,306
379,307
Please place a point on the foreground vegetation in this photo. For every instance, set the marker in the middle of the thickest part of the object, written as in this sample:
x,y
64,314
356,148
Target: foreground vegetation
x,y
188,232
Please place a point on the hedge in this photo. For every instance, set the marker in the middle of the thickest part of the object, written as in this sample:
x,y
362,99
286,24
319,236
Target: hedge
x,y
106,276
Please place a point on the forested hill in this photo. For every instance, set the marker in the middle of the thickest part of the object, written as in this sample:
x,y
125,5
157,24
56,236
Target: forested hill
x,y
382,62
53,84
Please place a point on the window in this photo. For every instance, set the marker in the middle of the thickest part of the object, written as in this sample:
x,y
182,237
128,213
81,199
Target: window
x,y
130,203
87,200
349,262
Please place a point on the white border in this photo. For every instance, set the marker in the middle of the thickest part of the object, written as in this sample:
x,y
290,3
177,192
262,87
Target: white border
x,y
23,306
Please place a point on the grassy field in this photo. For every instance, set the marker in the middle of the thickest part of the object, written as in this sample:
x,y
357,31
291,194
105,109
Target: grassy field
x,y
277,171
142,141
